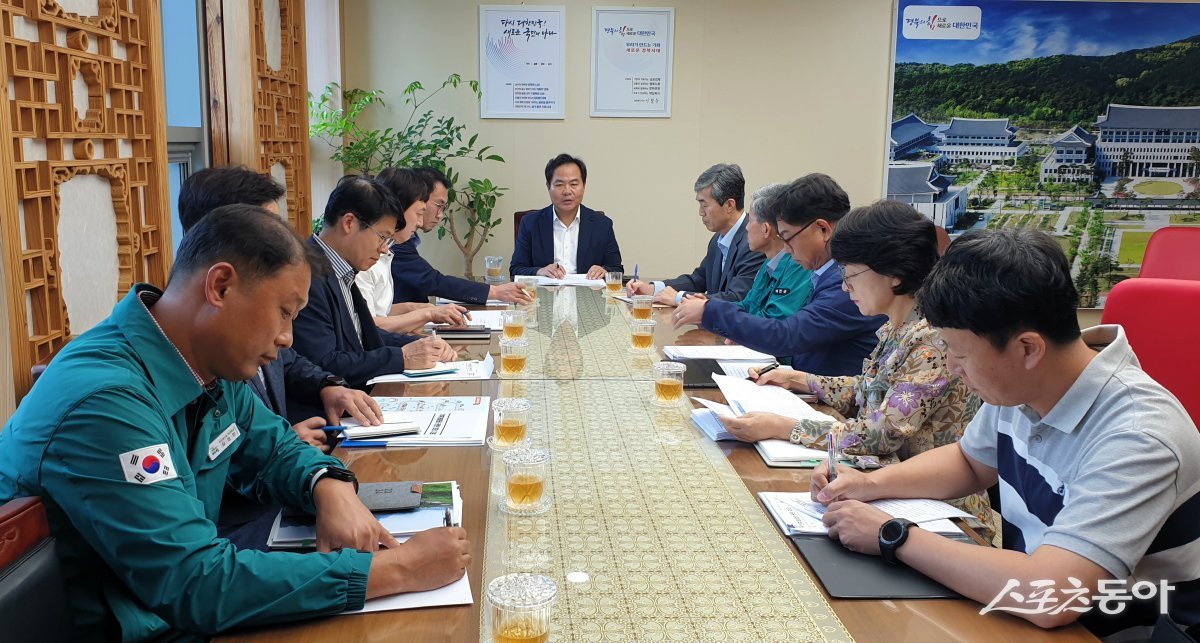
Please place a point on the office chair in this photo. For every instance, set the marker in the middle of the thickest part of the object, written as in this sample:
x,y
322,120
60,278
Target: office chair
x,y
1173,253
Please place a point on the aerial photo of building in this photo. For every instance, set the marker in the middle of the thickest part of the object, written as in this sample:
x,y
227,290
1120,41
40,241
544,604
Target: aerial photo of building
x,y
933,195
981,140
1072,158
1152,141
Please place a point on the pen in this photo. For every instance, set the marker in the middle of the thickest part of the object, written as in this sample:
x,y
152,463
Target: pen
x,y
635,266
447,517
332,432
832,456
770,367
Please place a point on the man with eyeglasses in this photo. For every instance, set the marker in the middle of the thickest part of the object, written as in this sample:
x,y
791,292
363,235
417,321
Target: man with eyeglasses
x,y
729,267
414,280
336,330
828,336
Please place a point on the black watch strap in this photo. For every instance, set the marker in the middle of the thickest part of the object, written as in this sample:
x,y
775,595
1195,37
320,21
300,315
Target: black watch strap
x,y
337,473
334,380
892,535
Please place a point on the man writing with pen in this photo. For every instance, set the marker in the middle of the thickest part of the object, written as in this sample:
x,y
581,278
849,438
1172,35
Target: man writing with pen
x,y
566,237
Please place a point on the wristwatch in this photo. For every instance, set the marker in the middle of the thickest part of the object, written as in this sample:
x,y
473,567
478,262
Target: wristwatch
x,y
334,380
892,535
337,473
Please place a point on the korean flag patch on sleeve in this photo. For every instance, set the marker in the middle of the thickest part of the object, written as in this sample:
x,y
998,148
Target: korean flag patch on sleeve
x,y
148,465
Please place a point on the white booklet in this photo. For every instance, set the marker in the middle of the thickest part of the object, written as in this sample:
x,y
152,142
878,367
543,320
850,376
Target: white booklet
x,y
798,514
782,453
443,421
394,423
706,420
721,353
476,369
745,396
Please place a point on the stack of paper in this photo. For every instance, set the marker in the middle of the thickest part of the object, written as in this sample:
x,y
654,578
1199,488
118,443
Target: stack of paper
x,y
781,453
706,420
742,369
721,353
442,301
488,318
293,530
456,593
745,396
443,421
798,514
569,280
394,423
479,369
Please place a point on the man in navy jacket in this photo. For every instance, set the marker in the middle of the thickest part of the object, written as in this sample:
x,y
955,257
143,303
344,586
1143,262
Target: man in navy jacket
x,y
414,280
828,336
566,237
729,266
336,331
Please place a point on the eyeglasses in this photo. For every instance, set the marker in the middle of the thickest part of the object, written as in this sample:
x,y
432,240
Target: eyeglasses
x,y
845,277
788,239
439,207
385,241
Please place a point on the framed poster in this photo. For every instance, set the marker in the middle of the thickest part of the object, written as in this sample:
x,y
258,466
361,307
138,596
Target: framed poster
x,y
1079,119
632,51
522,69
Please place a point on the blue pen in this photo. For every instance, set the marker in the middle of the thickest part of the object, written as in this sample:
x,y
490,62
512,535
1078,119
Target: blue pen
x,y
332,431
635,272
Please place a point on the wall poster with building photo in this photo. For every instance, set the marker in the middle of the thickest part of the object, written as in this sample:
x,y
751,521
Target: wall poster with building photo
x,y
522,61
1081,119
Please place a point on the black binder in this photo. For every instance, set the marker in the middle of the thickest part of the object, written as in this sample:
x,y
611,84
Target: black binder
x,y
848,574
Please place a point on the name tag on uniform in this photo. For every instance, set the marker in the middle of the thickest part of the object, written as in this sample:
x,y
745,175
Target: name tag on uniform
x,y
227,437
148,465
783,291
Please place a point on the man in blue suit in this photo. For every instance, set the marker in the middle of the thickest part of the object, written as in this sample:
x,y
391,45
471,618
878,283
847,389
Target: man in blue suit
x,y
336,330
730,266
566,237
414,280
828,336
291,386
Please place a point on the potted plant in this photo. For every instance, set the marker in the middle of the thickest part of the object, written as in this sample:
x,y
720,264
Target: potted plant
x,y
425,140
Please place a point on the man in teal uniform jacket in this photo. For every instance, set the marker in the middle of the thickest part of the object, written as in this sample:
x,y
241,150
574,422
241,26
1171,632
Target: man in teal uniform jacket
x,y
131,433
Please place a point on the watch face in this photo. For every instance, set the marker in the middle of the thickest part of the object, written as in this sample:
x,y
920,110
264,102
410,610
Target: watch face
x,y
891,531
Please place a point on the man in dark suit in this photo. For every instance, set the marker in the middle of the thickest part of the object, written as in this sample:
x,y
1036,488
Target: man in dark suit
x,y
566,237
414,280
336,330
730,266
290,378
828,336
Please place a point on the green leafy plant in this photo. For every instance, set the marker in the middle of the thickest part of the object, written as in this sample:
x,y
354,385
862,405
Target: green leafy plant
x,y
425,140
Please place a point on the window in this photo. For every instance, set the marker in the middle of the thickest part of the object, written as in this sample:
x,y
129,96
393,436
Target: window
x,y
185,64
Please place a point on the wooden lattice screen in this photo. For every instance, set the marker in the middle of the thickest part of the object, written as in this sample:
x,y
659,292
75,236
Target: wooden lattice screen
x,y
260,114
44,143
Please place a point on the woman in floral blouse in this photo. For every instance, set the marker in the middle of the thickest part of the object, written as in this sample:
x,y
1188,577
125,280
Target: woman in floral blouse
x,y
905,401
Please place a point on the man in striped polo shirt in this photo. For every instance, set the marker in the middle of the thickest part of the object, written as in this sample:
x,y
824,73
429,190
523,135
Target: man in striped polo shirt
x,y
1098,465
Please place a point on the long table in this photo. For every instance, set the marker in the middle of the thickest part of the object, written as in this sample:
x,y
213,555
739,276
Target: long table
x,y
657,526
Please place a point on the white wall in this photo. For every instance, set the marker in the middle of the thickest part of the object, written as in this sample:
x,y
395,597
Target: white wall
x,y
782,87
323,39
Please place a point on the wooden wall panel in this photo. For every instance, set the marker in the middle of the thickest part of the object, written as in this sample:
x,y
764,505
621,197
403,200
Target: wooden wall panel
x,y
259,115
44,141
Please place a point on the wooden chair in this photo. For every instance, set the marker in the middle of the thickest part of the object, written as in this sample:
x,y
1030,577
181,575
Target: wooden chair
x,y
33,598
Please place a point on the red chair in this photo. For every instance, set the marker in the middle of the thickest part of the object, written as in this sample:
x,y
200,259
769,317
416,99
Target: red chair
x,y
1173,253
1160,317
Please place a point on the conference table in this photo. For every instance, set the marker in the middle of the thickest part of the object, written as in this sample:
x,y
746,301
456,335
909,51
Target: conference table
x,y
655,532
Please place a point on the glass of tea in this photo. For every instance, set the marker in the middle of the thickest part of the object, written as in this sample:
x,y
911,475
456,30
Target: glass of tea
x,y
529,284
511,422
493,267
519,606
612,281
641,335
514,355
525,472
514,323
668,383
643,306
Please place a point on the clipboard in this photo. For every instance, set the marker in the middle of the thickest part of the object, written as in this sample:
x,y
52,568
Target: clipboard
x,y
848,574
